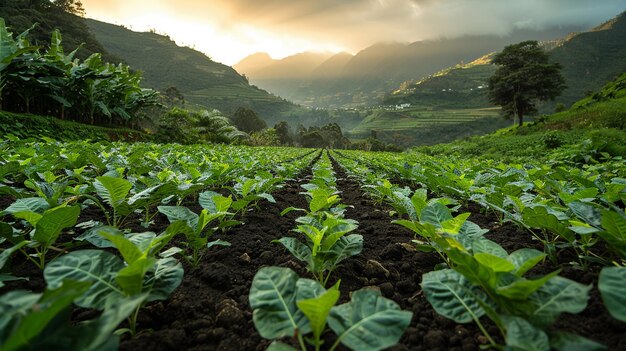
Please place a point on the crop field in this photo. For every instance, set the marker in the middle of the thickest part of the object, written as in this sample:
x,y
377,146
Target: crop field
x,y
415,118
141,246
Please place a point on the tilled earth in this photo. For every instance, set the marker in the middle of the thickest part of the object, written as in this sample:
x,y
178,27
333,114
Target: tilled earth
x,y
210,310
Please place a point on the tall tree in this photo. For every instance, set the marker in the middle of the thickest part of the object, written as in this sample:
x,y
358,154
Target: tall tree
x,y
248,121
524,77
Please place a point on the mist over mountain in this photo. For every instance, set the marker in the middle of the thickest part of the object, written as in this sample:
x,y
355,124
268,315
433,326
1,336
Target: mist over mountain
x,y
363,79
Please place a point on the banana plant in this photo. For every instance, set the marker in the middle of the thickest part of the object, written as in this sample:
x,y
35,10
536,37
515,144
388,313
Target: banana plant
x,y
9,50
285,305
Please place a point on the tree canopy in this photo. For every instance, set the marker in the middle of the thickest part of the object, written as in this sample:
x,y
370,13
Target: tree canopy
x,y
524,77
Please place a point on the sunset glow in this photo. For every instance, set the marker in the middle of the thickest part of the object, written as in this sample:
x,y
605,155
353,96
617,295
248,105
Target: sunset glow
x,y
229,30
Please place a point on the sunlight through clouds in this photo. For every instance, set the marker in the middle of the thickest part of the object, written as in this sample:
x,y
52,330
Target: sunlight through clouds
x,y
229,30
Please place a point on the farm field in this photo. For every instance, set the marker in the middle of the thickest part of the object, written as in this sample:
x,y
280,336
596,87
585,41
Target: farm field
x,y
412,118
191,247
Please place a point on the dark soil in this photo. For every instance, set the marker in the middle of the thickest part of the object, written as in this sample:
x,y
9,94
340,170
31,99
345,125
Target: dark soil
x,y
210,310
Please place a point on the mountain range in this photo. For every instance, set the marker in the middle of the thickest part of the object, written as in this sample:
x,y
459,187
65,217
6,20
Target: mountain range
x,y
346,80
589,59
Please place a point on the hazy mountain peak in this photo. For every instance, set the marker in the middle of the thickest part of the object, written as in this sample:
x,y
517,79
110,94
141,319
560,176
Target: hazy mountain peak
x,y
252,63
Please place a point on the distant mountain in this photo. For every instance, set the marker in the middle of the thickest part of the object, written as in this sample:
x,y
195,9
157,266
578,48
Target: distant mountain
x,y
592,58
461,86
589,59
254,63
333,67
365,78
201,80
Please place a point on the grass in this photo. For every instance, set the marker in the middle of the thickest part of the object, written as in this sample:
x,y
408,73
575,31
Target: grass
x,y
594,125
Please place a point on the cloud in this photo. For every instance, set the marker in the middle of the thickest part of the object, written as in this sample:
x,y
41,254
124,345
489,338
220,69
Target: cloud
x,y
355,24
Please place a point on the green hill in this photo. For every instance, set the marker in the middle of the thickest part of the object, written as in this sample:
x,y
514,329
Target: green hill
x,y
201,80
592,58
462,86
589,59
593,128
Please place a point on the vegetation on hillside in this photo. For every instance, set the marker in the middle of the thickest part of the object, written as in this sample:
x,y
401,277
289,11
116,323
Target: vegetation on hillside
x,y
52,82
202,82
593,129
524,77
20,15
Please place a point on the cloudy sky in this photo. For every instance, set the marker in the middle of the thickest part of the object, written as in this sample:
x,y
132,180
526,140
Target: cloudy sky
x,y
229,30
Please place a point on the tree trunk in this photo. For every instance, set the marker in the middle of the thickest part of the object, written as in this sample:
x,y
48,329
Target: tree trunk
x,y
520,115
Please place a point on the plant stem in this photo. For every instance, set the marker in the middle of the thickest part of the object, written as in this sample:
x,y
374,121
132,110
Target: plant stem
x,y
132,321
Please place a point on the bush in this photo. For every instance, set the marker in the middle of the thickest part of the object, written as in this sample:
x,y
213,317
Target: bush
x,y
552,140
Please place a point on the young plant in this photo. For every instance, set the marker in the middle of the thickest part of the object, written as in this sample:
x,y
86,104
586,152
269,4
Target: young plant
x,y
42,321
285,305
485,280
195,227
142,271
327,243
45,227
249,191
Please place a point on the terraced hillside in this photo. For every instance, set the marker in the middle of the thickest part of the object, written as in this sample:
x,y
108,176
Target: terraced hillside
x,y
425,125
201,80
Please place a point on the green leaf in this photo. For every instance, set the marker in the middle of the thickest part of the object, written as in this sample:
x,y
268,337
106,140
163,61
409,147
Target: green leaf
x,y
337,228
435,213
14,304
180,213
408,224
113,190
497,264
290,209
539,217
95,333
525,259
130,252
521,288
614,225
317,309
419,199
486,246
214,202
296,248
273,301
347,246
30,217
368,321
453,226
279,346
49,227
95,266
30,204
562,341
6,253
9,278
130,278
558,295
217,243
167,276
453,296
51,303
521,335
612,286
